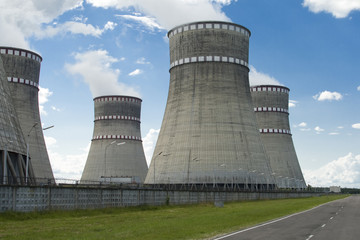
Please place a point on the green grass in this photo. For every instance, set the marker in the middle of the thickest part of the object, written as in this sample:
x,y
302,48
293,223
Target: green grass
x,y
166,222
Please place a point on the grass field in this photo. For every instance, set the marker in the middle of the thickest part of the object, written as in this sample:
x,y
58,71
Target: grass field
x,y
166,222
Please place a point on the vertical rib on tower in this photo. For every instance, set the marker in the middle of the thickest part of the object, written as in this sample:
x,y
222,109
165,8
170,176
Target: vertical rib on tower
x,y
209,133
116,151
272,115
22,69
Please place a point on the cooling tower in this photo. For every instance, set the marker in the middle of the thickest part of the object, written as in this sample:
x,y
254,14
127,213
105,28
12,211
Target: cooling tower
x,y
116,153
272,115
22,69
12,143
209,133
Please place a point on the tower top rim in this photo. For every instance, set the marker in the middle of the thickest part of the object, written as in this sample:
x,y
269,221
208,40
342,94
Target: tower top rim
x,y
210,22
116,96
22,50
269,85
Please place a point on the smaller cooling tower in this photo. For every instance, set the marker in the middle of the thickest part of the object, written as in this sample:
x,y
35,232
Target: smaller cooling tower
x,y
22,69
272,115
116,153
12,142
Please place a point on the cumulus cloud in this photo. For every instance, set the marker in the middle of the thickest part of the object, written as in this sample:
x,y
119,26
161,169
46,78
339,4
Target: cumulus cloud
x,y
44,94
302,124
358,88
142,60
168,14
55,109
345,172
75,28
95,68
356,126
68,166
135,72
318,129
149,142
259,78
148,22
339,9
292,103
49,141
21,20
328,96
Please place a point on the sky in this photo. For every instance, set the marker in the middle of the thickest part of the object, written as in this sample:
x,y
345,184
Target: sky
x,y
119,47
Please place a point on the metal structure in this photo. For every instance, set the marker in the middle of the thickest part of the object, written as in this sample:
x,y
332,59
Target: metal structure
x,y
272,114
13,169
116,153
22,70
209,133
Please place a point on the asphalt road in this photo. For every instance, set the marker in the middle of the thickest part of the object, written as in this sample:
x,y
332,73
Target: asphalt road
x,y
338,220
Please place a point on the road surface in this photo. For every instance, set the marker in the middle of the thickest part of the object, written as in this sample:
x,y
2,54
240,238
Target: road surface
x,y
338,220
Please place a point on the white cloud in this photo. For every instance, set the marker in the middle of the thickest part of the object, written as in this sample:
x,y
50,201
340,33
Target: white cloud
x,y
74,28
44,94
318,129
95,69
49,141
356,126
110,26
358,88
148,22
55,109
68,166
302,124
328,96
135,72
169,14
345,172
340,127
21,20
292,103
338,8
334,133
259,78
149,142
142,60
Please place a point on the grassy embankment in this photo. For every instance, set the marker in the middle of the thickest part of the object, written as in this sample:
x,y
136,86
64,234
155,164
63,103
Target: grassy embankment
x,y
166,222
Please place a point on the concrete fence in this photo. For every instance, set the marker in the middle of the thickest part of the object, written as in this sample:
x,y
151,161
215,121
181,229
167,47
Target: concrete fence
x,y
31,198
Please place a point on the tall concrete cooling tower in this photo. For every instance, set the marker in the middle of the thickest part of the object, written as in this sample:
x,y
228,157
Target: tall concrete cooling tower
x,y
116,153
209,133
13,167
22,69
272,115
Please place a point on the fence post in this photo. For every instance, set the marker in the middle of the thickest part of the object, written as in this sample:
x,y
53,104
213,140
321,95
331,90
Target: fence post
x,y
14,198
49,197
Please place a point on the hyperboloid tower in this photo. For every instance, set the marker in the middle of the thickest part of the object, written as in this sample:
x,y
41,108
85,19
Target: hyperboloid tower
x,y
272,115
13,165
22,69
116,153
209,133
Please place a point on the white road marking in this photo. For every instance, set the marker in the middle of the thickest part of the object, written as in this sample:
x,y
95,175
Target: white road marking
x,y
323,225
267,223
331,218
309,237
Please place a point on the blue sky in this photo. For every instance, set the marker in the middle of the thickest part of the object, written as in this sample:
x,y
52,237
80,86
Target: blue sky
x,y
94,47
